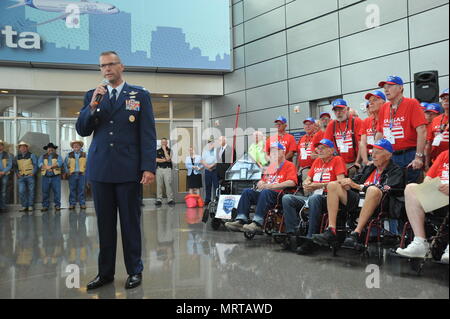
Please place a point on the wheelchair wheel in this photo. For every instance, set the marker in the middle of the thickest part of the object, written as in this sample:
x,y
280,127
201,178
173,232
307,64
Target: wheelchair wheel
x,y
215,223
249,235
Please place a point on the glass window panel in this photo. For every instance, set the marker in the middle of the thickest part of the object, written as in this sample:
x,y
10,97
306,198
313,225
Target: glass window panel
x,y
161,108
7,136
36,107
37,133
7,106
188,109
70,107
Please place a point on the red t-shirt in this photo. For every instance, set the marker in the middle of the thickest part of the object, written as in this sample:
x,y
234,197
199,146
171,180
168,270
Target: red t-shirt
x,y
369,128
374,178
316,139
321,172
438,135
408,117
287,140
344,131
440,168
304,147
274,175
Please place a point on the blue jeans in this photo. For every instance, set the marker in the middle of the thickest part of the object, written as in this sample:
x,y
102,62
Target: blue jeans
x,y
3,185
211,180
291,206
26,190
53,183
76,184
403,160
263,200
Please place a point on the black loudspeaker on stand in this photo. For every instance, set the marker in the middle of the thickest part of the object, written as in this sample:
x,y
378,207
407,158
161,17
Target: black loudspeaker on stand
x,y
426,86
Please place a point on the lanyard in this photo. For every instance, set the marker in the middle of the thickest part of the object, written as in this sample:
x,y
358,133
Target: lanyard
x,y
321,171
392,116
443,126
377,177
338,126
374,125
308,141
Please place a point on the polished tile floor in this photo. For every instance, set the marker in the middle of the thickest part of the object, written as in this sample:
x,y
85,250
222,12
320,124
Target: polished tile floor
x,y
184,258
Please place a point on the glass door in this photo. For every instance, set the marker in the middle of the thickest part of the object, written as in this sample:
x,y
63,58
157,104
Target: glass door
x,y
183,136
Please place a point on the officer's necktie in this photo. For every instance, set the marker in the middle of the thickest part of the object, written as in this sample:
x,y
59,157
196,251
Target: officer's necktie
x,y
114,96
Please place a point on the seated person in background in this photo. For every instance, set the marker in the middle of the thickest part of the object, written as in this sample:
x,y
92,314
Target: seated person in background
x,y
419,247
280,174
325,169
373,180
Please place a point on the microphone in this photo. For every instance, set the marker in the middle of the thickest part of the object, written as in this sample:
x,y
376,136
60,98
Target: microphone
x,y
99,97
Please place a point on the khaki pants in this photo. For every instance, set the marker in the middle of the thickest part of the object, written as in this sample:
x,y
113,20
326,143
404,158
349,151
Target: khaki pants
x,y
164,177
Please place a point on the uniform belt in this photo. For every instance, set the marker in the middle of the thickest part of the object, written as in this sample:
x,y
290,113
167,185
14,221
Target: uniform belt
x,y
401,152
51,175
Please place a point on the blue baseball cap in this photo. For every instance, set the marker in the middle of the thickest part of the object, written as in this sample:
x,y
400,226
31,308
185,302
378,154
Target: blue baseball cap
x,y
392,79
325,142
324,113
382,144
339,103
309,119
281,119
377,94
434,107
445,92
278,145
424,105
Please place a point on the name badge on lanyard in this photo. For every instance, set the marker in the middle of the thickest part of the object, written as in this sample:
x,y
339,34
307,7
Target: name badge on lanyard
x,y
303,154
388,135
370,140
438,139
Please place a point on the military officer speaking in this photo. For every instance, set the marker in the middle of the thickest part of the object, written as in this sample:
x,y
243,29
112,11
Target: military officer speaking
x,y
122,155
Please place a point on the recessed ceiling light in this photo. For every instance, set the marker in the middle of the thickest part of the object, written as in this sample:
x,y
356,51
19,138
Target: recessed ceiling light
x,y
5,92
165,95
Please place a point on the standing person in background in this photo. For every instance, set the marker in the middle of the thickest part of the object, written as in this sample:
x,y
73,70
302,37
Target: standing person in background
x,y
26,166
225,157
287,140
344,132
6,161
256,150
402,122
50,164
304,147
164,173
75,166
324,120
437,137
209,162
369,127
194,172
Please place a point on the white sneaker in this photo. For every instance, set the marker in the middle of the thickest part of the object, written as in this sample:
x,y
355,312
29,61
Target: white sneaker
x,y
418,248
444,257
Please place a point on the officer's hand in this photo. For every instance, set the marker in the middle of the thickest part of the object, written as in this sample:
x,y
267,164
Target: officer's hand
x,y
147,178
99,90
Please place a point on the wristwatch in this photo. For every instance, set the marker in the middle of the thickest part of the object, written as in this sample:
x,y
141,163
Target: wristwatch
x,y
419,155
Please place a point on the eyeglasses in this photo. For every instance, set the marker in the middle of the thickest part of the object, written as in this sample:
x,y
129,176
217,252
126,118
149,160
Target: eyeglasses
x,y
102,66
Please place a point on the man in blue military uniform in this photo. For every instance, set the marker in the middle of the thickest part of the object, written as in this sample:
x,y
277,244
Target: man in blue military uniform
x,y
122,155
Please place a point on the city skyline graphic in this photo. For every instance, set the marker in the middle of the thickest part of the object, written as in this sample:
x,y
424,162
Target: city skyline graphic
x,y
163,47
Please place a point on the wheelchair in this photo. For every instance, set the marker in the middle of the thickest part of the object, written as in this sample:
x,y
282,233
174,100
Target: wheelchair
x,y
244,173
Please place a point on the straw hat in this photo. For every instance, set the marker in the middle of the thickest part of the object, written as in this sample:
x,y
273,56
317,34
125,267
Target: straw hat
x,y
79,142
22,143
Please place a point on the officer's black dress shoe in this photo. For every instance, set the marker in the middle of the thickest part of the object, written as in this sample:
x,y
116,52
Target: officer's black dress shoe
x,y
133,281
98,282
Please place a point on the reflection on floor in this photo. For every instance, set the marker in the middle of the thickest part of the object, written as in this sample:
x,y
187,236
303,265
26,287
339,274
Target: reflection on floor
x,y
40,254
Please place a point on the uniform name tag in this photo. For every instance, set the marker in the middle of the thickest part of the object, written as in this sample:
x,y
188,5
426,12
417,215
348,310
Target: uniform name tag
x,y
133,105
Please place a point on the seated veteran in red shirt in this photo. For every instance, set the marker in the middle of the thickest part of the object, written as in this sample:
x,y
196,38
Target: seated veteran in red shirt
x,y
419,247
325,169
279,175
437,137
373,180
